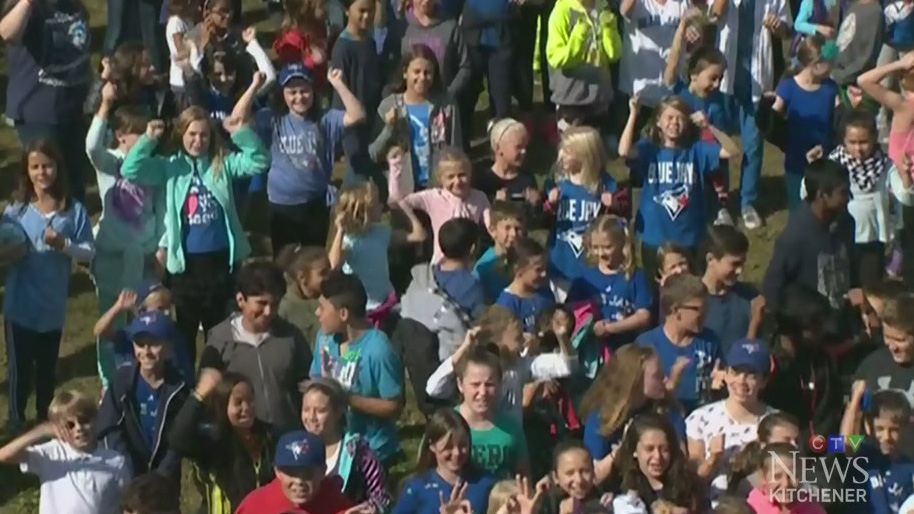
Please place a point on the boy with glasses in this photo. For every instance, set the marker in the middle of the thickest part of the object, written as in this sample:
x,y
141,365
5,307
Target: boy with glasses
x,y
682,342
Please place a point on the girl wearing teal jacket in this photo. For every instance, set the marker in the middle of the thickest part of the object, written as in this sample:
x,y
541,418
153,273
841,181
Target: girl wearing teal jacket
x,y
203,238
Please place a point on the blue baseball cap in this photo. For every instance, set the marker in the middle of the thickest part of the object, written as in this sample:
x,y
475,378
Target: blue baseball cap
x,y
300,450
154,324
294,71
750,354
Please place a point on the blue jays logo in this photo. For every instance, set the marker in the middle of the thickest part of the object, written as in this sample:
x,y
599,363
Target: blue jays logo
x,y
297,448
751,348
674,200
574,240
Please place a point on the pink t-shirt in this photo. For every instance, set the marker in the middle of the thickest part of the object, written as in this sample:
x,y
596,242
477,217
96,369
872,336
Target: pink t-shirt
x,y
441,205
762,505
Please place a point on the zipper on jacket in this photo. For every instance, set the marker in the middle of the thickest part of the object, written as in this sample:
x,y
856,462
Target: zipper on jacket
x,y
155,448
263,379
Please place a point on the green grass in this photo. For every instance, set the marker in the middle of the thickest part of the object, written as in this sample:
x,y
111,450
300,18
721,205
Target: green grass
x,y
76,369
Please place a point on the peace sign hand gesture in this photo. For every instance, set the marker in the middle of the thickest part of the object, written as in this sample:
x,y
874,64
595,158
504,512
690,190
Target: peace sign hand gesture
x,y
458,504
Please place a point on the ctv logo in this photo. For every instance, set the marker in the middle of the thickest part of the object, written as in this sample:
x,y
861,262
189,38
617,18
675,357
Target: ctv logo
x,y
835,443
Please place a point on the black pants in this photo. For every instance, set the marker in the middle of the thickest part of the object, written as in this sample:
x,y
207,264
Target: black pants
x,y
495,66
304,224
534,21
202,295
32,360
418,348
869,263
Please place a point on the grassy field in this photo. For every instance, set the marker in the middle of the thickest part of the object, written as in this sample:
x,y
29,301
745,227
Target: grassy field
x,y
19,493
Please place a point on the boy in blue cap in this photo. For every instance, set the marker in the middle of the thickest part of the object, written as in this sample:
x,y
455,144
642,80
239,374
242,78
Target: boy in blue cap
x,y
144,397
300,486
718,431
115,349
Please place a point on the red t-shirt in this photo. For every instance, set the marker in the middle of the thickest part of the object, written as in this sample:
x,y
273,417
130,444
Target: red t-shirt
x,y
270,499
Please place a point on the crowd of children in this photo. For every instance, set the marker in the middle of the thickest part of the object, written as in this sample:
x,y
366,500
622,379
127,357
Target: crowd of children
x,y
617,365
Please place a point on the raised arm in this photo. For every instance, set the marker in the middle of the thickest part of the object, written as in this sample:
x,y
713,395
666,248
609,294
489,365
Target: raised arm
x,y
251,158
354,112
142,166
101,159
871,83
15,21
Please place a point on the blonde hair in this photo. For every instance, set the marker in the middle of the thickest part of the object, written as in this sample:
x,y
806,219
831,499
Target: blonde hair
x,y
613,227
586,146
355,205
617,385
449,157
501,492
217,150
690,132
69,404
502,128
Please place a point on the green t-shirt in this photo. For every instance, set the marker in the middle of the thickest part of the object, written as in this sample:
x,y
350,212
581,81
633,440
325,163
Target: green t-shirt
x,y
500,449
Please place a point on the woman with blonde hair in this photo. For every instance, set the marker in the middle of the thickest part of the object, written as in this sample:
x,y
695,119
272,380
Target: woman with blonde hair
x,y
581,191
632,383
204,240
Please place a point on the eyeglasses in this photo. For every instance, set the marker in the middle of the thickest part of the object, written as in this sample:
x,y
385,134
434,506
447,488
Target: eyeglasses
x,y
82,421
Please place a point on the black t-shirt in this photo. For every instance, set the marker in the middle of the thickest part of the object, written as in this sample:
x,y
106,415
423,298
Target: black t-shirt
x,y
489,183
880,371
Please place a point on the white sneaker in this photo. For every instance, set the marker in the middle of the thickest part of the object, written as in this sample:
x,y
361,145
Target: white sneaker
x,y
751,218
723,218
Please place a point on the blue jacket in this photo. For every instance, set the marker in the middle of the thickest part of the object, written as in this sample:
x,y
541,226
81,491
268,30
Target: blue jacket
x,y
119,426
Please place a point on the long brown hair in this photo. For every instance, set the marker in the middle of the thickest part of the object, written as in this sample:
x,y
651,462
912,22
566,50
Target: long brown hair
x,y
217,150
681,486
440,424
59,190
618,384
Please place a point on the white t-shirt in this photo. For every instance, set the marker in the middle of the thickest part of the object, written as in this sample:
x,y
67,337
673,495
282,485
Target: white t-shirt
x,y
649,31
711,420
76,482
175,25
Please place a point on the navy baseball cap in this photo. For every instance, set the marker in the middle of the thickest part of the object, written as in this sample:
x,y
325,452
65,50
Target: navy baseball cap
x,y
294,71
300,450
154,324
750,354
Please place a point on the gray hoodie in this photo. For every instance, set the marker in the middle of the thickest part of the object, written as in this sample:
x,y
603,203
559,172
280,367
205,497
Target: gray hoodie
x,y
426,303
445,39
275,363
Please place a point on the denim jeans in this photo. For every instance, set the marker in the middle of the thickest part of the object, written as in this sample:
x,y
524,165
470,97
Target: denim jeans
x,y
744,110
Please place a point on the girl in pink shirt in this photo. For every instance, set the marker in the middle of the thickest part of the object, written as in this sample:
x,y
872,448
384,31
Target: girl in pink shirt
x,y
451,198
778,491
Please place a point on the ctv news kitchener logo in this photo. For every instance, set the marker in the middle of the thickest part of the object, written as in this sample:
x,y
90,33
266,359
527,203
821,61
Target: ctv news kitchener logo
x,y
821,479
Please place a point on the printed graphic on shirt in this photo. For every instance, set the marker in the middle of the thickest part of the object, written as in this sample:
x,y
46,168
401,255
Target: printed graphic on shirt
x,y
833,281
703,365
302,148
127,201
679,177
577,213
421,138
201,207
64,51
345,369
